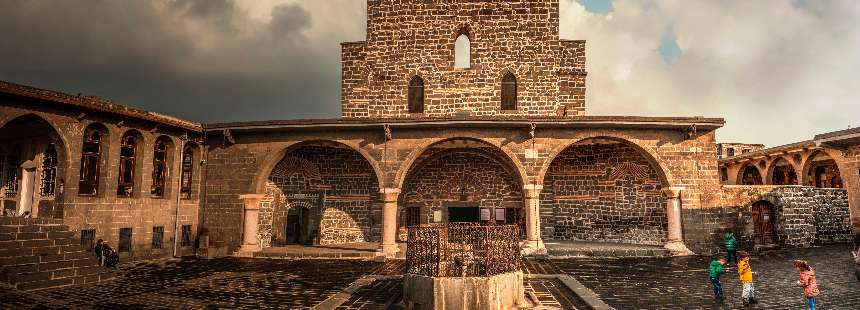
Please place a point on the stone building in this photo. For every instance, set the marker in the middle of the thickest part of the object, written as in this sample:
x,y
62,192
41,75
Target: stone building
x,y
452,111
109,171
733,149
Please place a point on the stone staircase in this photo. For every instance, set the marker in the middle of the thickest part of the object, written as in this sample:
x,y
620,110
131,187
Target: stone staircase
x,y
42,253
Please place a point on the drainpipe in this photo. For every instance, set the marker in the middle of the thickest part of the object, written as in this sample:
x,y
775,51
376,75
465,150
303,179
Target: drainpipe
x,y
178,195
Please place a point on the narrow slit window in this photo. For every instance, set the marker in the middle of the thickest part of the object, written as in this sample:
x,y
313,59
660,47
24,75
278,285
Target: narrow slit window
x,y
416,95
88,237
49,172
158,237
186,235
159,168
509,92
463,52
124,240
127,160
90,161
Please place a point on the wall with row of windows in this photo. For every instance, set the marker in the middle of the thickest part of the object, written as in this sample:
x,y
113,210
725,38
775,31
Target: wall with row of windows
x,y
126,239
508,99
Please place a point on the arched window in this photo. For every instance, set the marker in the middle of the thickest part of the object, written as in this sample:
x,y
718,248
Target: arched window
x,y
187,170
159,167
416,95
13,166
127,164
509,92
49,172
91,156
463,52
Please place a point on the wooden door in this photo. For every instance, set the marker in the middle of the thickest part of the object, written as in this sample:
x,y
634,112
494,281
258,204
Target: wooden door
x,y
762,213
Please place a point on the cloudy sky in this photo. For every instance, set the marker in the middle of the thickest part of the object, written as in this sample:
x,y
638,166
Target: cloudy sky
x,y
778,71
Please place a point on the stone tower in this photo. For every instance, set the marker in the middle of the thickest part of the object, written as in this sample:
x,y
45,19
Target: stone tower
x,y
518,64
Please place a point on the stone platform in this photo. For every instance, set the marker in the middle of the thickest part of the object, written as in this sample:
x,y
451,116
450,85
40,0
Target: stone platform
x,y
360,250
563,249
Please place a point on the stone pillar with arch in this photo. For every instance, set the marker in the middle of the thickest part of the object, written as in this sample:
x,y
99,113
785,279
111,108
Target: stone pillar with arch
x,y
388,248
531,196
675,236
251,222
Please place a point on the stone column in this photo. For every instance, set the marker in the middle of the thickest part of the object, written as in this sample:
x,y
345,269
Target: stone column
x,y
675,239
388,248
251,224
531,197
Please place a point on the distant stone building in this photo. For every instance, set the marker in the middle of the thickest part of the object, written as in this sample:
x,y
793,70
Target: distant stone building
x,y
725,150
424,137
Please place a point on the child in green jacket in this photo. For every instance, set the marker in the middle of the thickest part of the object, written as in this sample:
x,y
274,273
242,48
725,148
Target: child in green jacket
x,y
715,270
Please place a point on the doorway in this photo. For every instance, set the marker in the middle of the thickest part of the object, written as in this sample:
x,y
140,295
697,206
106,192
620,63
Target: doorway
x,y
296,229
763,219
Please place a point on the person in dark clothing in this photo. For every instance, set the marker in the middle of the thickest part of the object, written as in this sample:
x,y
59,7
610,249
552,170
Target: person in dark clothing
x,y
111,257
99,249
856,255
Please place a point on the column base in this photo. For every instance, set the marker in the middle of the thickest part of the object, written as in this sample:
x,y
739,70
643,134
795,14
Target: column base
x,y
533,247
387,251
678,248
247,250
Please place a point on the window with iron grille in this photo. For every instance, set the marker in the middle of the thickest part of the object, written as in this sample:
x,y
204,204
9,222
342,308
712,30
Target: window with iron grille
x,y
91,154
124,240
413,216
2,165
509,92
13,166
416,95
127,159
159,168
186,235
158,237
187,168
49,172
88,238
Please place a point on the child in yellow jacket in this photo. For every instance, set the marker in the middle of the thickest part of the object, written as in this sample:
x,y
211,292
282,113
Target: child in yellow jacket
x,y
745,273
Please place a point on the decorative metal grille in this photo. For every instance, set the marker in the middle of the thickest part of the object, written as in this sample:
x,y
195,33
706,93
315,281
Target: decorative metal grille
x,y
124,240
187,167
13,165
88,238
49,172
158,237
462,250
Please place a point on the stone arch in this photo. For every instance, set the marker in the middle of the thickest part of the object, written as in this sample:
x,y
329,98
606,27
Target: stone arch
x,y
749,174
605,190
662,170
781,171
336,182
272,160
406,164
463,40
833,171
63,151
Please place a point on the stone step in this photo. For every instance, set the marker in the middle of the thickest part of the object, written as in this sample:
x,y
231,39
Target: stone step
x,y
608,253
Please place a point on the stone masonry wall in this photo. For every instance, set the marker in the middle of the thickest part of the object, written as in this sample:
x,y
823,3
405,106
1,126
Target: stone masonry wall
x,y
338,187
804,216
408,38
603,192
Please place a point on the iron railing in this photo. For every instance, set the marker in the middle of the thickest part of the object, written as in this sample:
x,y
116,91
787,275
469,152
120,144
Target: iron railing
x,y
462,250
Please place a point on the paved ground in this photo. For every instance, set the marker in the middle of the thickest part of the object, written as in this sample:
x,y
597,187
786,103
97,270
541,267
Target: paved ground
x,y
682,283
643,283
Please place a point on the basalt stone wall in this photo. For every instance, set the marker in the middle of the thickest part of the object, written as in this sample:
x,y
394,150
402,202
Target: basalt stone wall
x,y
409,38
441,178
338,187
603,192
803,216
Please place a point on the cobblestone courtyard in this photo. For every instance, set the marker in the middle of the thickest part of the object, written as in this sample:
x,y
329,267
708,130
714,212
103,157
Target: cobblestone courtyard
x,y
629,283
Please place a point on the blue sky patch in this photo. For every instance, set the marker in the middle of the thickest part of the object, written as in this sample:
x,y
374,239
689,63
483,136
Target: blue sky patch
x,y
597,6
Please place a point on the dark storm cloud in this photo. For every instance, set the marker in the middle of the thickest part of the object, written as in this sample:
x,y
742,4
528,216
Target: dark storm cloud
x,y
204,60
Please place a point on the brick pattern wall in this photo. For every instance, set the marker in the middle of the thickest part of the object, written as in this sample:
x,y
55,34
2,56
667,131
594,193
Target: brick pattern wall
x,y
43,253
439,178
417,38
603,192
336,184
804,216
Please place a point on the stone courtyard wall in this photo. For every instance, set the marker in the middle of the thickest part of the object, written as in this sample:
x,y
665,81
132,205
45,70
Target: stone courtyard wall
x,y
804,216
603,192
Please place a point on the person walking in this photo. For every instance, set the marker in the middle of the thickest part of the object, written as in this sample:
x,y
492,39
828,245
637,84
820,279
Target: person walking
x,y
715,270
731,244
746,275
807,282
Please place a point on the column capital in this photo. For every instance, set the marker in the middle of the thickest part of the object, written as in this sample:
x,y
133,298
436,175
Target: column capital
x,y
251,201
389,194
532,190
673,192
